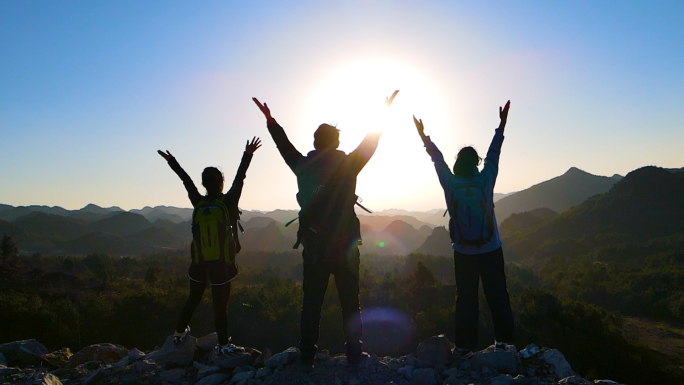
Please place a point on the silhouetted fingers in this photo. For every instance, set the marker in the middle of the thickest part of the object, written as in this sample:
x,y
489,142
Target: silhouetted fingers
x,y
388,101
258,103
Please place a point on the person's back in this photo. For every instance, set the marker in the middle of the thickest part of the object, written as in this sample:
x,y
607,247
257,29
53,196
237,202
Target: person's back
x,y
475,238
328,229
214,244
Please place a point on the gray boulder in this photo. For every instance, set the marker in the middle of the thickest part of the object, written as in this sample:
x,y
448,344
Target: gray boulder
x,y
171,355
135,354
574,380
58,358
231,362
497,360
207,343
23,353
561,366
214,379
433,352
108,353
3,360
504,379
424,376
283,358
172,375
242,376
43,379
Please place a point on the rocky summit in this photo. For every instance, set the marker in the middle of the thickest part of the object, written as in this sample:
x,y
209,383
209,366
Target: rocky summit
x,y
194,362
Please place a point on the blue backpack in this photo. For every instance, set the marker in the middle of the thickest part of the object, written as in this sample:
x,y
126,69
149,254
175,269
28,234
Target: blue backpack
x,y
472,222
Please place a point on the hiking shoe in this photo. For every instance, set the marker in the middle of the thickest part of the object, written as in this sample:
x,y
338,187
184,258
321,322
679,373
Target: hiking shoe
x,y
229,350
180,337
461,352
358,363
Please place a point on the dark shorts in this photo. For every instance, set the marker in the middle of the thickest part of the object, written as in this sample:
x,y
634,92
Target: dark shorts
x,y
219,273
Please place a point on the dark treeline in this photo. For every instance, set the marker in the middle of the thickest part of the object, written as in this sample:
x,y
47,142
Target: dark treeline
x,y
76,301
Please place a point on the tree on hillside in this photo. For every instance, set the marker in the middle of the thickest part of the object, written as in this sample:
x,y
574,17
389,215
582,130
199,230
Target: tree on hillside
x,y
8,248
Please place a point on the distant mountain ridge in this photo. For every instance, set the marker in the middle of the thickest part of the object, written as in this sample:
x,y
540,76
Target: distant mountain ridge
x,y
558,194
644,205
57,230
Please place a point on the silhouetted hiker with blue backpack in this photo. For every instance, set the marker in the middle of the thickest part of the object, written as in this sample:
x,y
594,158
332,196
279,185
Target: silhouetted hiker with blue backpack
x,y
214,244
329,230
469,195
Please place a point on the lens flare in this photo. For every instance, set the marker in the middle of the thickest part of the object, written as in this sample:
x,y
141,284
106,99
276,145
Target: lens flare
x,y
386,330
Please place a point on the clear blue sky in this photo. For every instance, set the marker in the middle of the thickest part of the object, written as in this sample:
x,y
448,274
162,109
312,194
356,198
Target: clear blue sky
x,y
90,90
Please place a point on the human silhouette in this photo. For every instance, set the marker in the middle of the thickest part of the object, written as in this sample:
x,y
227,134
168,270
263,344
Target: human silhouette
x,y
469,195
214,244
329,230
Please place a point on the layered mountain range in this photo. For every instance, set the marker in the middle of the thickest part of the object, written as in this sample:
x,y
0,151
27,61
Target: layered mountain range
x,y
94,229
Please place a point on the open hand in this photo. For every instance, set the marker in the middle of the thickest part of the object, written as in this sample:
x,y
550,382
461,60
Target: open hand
x,y
419,126
166,155
264,108
251,147
388,101
503,114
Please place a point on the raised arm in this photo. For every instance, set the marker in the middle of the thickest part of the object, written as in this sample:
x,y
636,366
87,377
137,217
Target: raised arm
x,y
362,154
443,172
491,166
190,187
285,147
232,197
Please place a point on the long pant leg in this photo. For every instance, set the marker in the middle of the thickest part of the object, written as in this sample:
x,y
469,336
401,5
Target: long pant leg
x,y
467,316
494,285
220,295
196,291
314,285
347,283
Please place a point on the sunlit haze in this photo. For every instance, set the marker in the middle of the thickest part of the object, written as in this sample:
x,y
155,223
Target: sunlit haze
x,y
89,91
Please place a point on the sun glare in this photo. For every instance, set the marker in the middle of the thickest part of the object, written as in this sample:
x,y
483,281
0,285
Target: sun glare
x,y
352,97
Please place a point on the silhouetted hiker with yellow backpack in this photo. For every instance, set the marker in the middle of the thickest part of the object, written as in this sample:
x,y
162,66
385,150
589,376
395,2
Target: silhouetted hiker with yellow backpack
x,y
213,244
469,195
329,230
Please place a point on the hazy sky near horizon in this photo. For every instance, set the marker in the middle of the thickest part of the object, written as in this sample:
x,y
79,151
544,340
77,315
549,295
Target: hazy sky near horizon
x,y
90,90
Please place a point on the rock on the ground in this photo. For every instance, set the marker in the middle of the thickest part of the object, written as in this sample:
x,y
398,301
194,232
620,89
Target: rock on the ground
x,y
58,358
3,360
574,380
231,362
208,342
433,352
23,353
561,366
498,360
108,353
265,356
242,376
424,376
263,373
171,355
172,375
283,358
214,379
504,379
135,354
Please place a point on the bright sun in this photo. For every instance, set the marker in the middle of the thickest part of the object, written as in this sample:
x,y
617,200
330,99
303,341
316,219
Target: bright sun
x,y
352,97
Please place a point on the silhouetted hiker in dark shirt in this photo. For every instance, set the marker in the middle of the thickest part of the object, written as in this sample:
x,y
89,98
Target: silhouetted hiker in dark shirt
x,y
222,270
328,229
469,194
